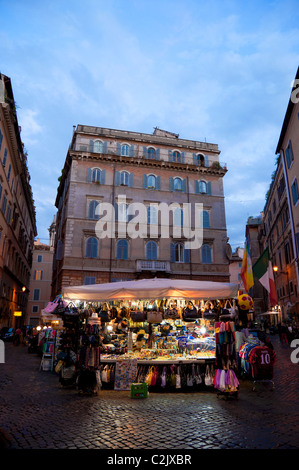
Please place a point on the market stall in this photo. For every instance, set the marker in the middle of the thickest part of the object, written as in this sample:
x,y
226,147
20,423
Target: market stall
x,y
160,331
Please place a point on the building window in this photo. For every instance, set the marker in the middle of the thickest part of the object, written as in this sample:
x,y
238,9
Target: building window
x,y
289,154
206,254
203,187
122,249
151,182
178,253
295,194
125,150
96,175
36,294
177,184
93,210
178,217
91,247
38,275
88,280
1,138
4,203
39,258
34,308
205,219
287,253
151,251
4,157
124,178
152,215
98,146
151,153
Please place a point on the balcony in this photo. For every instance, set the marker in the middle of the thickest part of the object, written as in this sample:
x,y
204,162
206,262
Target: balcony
x,y
147,265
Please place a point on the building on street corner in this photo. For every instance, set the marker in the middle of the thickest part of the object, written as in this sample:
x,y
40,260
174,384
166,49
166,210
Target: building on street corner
x,y
117,168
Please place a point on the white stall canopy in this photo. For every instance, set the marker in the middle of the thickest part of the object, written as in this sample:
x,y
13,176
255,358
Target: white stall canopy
x,y
152,289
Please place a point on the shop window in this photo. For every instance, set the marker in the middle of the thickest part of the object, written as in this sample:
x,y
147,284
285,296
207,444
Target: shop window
x,y
122,249
151,250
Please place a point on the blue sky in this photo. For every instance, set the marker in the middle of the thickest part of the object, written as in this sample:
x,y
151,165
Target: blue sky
x,y
219,71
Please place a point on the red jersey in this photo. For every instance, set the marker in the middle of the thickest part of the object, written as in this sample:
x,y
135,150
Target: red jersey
x,y
262,360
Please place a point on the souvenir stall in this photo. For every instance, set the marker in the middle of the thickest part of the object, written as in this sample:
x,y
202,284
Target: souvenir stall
x,y
157,331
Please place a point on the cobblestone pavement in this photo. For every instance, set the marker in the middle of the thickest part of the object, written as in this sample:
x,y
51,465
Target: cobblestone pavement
x,y
37,413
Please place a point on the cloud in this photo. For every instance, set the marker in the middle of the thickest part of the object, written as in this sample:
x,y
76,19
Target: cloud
x,y
30,126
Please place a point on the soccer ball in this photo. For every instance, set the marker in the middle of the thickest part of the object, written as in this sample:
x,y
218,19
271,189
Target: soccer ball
x,y
245,302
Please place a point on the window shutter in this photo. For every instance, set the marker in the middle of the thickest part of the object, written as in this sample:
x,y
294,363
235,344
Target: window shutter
x,y
89,175
117,178
186,255
118,149
207,161
131,180
105,146
183,157
145,181
158,182
184,185
170,155
196,187
131,152
205,219
209,188
91,145
158,154
41,275
116,212
172,252
195,159
102,176
171,184
145,154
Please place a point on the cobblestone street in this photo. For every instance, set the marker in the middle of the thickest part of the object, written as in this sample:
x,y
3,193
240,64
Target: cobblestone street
x,y
37,413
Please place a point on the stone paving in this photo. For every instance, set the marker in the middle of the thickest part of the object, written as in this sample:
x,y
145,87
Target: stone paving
x,y
37,413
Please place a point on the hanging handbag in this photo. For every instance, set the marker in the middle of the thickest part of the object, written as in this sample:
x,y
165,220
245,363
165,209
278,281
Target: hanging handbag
x,y
138,316
154,317
171,314
190,313
163,377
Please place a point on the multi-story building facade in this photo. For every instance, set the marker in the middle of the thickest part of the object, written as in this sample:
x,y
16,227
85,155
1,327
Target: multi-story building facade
x,y
287,275
119,168
17,214
235,266
41,281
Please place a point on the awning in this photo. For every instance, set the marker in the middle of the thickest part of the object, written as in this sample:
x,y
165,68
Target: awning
x,y
152,289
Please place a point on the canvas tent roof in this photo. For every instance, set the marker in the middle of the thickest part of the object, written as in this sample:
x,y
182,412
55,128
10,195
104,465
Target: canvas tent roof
x,y
152,289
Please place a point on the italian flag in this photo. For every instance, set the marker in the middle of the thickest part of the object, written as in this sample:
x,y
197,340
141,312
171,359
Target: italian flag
x,y
262,269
